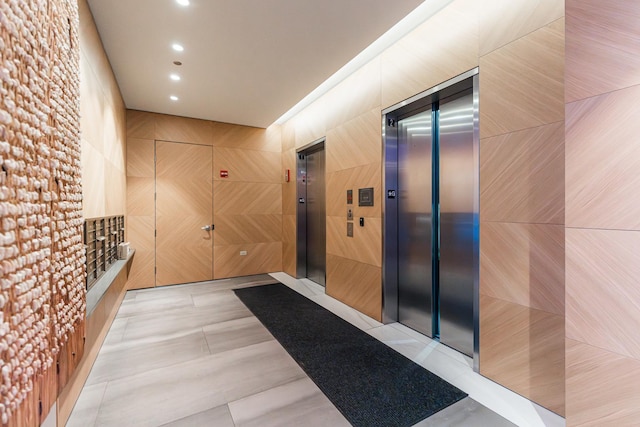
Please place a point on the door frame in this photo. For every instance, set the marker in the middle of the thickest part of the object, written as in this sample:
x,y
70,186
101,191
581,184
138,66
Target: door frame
x,y
390,117
301,211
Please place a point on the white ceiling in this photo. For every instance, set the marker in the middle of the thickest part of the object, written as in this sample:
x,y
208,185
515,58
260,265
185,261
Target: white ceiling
x,y
245,61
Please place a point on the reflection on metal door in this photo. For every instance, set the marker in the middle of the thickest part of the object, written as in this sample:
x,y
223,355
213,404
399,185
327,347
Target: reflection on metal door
x,y
184,213
312,214
456,193
431,259
316,218
415,219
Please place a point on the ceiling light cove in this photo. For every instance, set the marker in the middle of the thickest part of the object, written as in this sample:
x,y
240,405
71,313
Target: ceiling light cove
x,y
177,47
173,98
174,77
183,2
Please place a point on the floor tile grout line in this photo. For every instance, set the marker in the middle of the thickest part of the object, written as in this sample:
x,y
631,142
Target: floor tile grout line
x,y
204,336
104,392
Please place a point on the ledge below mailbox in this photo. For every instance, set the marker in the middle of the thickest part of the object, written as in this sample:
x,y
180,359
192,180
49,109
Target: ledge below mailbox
x,y
97,291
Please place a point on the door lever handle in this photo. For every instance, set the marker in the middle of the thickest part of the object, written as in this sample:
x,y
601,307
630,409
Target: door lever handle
x,y
207,227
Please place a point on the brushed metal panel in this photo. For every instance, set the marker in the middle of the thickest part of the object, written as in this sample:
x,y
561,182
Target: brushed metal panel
x,y
458,171
301,213
415,222
311,213
316,217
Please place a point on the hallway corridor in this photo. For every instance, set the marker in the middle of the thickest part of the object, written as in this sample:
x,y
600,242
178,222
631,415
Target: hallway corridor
x,y
193,355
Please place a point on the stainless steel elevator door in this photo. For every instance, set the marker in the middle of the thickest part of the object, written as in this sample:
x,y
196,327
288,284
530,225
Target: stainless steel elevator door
x,y
458,175
316,218
415,285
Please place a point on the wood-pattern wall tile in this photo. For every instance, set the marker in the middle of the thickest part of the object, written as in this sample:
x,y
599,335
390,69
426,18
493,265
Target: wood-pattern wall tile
x,y
522,83
140,157
356,284
260,258
602,47
366,244
90,42
184,253
248,138
93,179
523,264
92,106
247,165
141,124
181,198
356,95
357,142
115,203
174,160
236,229
438,50
289,189
523,349
289,228
140,232
353,179
603,161
503,21
289,242
522,176
140,196
602,387
310,124
115,142
289,261
183,129
238,198
288,136
603,297
142,274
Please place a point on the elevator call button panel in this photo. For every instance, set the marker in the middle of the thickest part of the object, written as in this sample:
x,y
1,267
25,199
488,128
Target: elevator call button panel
x,y
349,214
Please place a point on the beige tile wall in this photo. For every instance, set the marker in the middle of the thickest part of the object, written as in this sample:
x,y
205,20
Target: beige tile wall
x,y
603,230
102,126
522,207
247,205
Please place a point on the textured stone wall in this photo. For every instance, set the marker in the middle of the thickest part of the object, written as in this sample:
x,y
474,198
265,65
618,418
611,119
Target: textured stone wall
x,y
42,297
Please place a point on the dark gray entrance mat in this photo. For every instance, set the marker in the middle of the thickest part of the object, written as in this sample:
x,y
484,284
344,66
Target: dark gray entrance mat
x,y
370,383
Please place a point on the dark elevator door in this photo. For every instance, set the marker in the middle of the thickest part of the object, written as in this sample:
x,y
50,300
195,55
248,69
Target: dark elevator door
x,y
311,234
316,218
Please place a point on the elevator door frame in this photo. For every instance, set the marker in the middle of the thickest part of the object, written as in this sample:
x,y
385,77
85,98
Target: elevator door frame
x,y
301,207
390,206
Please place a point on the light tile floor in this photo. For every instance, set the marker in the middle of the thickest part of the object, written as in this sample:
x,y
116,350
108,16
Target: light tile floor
x,y
193,355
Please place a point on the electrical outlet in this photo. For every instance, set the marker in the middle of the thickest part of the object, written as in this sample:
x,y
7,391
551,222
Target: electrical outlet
x,y
243,253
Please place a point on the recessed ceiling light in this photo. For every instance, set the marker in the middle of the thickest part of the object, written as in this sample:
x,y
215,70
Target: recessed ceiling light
x,y
183,2
173,98
178,63
174,77
177,47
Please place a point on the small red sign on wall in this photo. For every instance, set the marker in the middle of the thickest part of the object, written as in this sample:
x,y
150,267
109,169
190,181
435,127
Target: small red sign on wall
x,y
224,174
